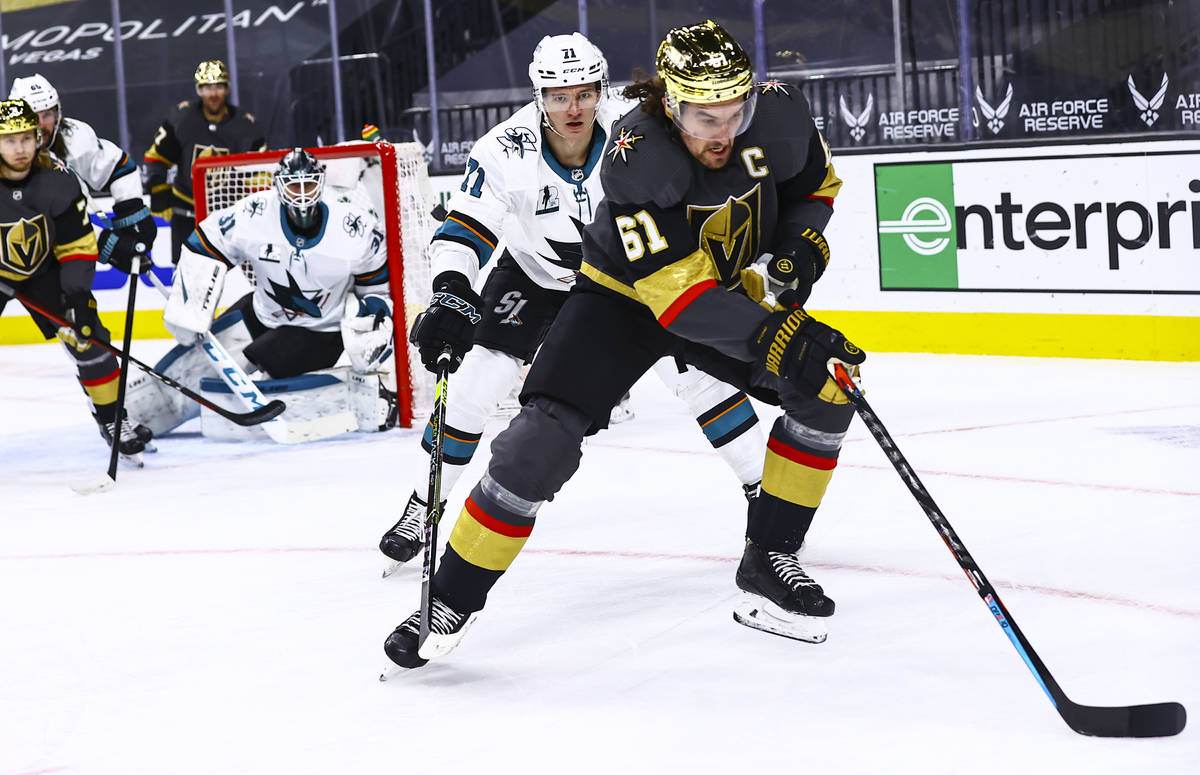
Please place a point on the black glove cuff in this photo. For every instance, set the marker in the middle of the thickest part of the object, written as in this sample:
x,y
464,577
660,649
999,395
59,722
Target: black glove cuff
x,y
453,281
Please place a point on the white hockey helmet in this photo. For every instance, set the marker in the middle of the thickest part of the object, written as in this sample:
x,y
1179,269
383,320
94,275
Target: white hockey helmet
x,y
35,90
567,60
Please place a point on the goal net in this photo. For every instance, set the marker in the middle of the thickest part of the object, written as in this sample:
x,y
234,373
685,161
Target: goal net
x,y
391,181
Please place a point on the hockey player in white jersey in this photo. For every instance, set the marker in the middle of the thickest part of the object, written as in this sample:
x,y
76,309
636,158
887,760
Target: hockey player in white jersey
x,y
99,165
531,185
321,287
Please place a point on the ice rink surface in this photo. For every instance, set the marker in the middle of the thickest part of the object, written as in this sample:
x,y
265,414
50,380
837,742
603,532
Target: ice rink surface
x,y
221,610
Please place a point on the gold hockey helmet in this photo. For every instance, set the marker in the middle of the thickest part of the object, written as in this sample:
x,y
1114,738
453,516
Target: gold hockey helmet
x,y
16,116
211,71
702,63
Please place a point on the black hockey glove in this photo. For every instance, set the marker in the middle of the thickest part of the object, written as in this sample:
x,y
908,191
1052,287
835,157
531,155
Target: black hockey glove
x,y
130,237
792,347
796,267
85,320
160,200
449,321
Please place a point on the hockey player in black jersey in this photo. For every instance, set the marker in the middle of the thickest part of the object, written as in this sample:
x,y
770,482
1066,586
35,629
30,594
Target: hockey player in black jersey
x,y
48,254
712,173
208,126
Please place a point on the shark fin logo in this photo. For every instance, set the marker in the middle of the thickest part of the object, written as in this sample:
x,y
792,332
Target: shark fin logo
x,y
856,122
1149,107
995,116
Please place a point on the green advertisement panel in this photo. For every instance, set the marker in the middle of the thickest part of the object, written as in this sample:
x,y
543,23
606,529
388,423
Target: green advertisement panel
x,y
917,240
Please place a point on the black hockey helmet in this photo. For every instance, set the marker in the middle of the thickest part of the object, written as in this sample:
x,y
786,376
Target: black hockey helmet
x,y
299,181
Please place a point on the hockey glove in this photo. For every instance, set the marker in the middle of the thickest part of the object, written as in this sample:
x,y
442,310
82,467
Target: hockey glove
x,y
160,200
792,347
367,332
449,321
85,320
797,267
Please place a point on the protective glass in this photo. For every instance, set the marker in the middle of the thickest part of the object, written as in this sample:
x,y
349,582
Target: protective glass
x,y
714,122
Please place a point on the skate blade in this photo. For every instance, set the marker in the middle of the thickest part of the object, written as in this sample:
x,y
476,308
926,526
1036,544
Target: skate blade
x,y
440,645
134,460
393,671
391,568
759,614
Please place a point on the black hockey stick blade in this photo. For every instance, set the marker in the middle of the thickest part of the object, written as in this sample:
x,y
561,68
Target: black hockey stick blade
x,y
258,416
1161,719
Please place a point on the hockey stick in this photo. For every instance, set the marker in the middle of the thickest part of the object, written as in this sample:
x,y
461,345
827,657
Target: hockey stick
x,y
234,376
107,482
433,513
255,417
1157,720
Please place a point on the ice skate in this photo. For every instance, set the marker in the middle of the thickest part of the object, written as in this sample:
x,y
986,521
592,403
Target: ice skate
x,y
404,540
446,629
135,439
622,412
779,597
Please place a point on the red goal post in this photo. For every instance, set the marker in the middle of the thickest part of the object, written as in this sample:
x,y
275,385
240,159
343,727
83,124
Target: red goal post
x,y
392,180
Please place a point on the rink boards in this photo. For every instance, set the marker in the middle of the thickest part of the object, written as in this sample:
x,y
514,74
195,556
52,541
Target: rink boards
x,y
1069,250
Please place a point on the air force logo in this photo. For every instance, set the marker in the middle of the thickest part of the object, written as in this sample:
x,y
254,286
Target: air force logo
x,y
1149,107
995,116
857,122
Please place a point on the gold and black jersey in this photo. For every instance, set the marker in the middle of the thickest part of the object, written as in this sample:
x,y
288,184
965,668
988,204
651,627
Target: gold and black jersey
x,y
187,135
43,220
671,229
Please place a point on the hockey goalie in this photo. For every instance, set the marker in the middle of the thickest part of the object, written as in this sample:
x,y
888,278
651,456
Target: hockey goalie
x,y
319,259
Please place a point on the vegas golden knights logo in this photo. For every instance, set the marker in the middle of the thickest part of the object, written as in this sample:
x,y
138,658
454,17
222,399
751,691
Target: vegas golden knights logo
x,y
23,245
729,233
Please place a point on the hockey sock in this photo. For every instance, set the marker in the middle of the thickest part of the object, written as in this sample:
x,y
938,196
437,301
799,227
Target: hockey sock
x,y
98,373
731,426
799,464
490,532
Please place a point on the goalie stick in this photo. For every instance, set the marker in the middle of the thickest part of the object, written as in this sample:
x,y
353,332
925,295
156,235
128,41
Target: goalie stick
x,y
234,376
261,415
1160,719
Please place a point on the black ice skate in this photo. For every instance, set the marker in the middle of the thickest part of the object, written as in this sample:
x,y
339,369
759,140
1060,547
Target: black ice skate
x,y
446,629
135,439
780,598
405,539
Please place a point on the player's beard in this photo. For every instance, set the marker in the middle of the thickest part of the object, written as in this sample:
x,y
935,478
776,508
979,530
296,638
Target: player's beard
x,y
21,170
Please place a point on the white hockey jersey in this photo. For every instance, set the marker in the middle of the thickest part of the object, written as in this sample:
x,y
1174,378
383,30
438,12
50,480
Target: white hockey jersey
x,y
298,281
515,192
99,163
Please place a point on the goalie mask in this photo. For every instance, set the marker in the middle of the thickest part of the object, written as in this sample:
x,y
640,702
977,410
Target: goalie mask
x,y
567,60
708,79
299,181
41,96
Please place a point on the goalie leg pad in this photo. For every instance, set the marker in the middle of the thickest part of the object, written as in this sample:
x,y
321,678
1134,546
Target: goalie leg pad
x,y
161,408
373,400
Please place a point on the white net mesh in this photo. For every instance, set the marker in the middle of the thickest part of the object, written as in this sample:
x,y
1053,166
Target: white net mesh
x,y
359,171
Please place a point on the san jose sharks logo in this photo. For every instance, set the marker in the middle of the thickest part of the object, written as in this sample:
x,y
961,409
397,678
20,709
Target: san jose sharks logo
x,y
623,143
856,122
518,140
995,116
568,255
296,302
729,233
353,224
255,207
1149,107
